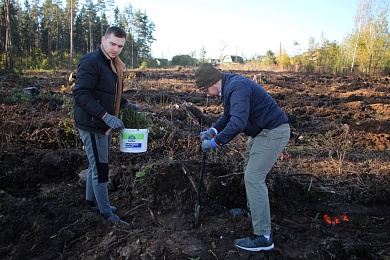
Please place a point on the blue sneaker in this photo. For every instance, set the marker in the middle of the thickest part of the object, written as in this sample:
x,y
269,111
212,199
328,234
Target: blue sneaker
x,y
240,212
96,209
114,219
254,243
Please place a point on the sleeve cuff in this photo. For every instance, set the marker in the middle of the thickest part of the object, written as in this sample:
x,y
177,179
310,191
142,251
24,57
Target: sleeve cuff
x,y
213,143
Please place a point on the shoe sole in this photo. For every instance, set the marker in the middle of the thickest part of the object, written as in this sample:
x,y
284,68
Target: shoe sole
x,y
257,249
119,222
96,209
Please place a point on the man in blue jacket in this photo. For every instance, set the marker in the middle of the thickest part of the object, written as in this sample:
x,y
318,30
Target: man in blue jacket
x,y
98,98
250,109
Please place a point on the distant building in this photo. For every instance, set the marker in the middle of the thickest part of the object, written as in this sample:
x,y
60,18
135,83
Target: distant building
x,y
163,63
311,55
232,59
261,57
215,61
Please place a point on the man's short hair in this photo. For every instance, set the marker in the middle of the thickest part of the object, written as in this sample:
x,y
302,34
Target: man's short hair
x,y
116,31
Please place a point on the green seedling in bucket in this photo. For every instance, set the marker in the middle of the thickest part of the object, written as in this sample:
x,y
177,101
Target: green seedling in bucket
x,y
134,137
135,120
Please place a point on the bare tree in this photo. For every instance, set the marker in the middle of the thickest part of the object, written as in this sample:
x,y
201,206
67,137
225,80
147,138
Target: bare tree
x,y
373,39
91,14
72,10
8,38
359,30
222,47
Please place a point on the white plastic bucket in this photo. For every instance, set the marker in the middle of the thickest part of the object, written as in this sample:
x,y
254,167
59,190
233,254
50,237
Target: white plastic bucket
x,y
134,140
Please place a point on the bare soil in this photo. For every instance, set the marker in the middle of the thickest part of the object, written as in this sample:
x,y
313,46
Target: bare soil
x,y
329,190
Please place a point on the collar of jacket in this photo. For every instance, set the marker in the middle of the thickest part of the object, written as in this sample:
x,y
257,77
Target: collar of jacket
x,y
220,90
117,65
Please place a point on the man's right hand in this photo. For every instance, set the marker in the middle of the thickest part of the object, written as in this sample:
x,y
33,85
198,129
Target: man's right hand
x,y
207,135
113,122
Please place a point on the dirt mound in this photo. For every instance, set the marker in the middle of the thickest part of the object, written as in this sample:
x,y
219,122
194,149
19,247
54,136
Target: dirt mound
x,y
328,190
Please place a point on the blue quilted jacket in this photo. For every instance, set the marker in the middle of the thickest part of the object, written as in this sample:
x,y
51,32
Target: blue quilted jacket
x,y
248,108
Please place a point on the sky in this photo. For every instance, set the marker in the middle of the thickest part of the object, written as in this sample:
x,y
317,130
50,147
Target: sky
x,y
245,28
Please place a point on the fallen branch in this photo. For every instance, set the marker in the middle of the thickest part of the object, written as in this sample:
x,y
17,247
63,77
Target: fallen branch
x,y
154,217
190,178
231,174
134,209
73,241
303,174
74,223
211,251
311,182
117,242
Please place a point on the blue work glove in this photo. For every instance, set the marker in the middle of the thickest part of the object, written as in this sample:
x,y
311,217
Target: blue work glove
x,y
132,106
113,122
207,135
207,145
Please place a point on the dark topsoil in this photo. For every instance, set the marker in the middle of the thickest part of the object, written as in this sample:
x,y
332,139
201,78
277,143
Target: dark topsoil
x,y
329,190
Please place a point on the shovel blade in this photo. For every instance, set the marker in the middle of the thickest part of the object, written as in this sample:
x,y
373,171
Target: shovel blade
x,y
197,205
197,210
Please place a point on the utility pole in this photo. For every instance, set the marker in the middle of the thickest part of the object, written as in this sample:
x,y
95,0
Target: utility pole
x,y
280,50
236,54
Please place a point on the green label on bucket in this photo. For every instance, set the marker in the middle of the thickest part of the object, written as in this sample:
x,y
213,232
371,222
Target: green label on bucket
x,y
133,136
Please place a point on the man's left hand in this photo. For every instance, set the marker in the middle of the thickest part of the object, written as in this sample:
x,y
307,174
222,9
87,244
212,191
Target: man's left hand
x,y
208,145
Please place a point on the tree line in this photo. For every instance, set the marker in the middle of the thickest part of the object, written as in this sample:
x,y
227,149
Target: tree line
x,y
51,35
366,49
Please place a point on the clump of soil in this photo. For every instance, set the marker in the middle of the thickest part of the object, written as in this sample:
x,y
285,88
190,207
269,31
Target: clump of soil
x,y
328,190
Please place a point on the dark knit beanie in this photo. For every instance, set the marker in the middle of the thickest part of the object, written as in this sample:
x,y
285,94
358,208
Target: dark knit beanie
x,y
207,75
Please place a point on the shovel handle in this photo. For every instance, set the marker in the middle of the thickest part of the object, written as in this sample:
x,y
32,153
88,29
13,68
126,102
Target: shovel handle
x,y
197,205
201,173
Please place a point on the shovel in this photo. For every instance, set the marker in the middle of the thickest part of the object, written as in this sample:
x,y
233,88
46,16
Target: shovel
x,y
197,205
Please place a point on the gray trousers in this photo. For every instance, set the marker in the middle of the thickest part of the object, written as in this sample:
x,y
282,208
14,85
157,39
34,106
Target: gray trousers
x,y
97,149
261,154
